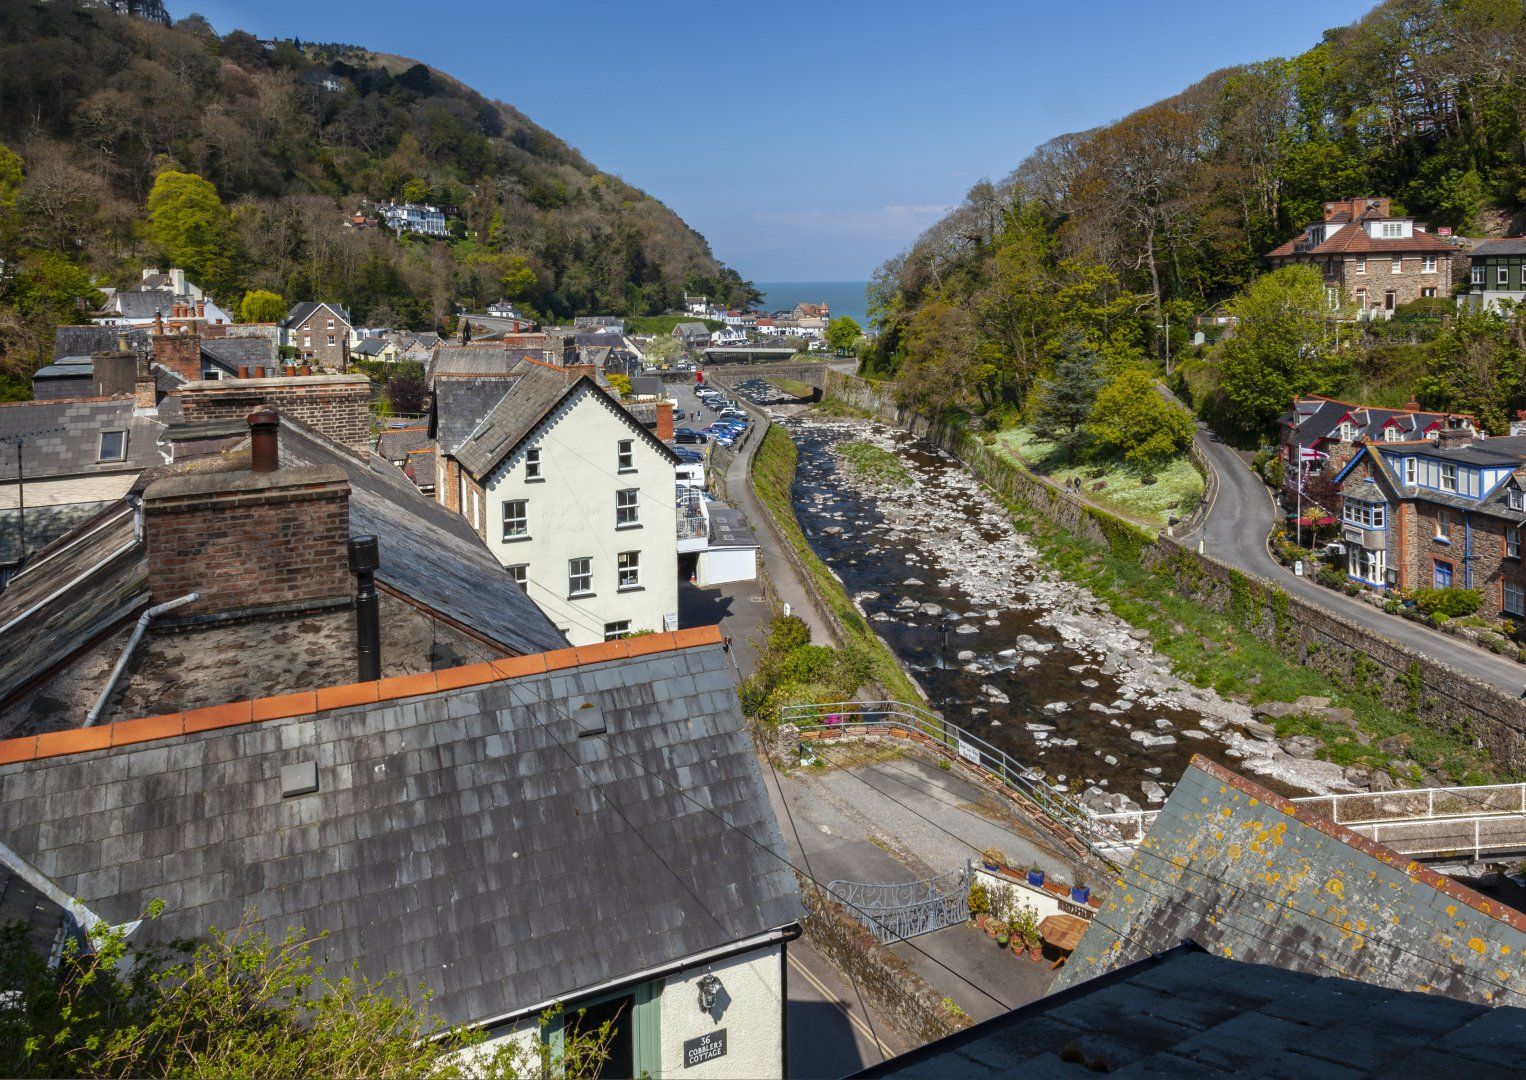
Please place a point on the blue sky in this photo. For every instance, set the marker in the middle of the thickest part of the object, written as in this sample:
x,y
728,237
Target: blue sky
x,y
808,141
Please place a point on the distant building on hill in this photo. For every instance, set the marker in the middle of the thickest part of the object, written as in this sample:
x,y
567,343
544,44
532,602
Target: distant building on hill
x,y
413,217
1497,272
152,10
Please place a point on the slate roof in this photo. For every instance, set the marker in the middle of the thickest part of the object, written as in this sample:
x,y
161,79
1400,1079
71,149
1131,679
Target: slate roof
x,y
85,340
1512,246
303,311
39,628
1185,1013
371,346
397,443
478,840
71,443
460,404
1314,419
428,553
1352,239
692,330
44,525
230,354
485,358
142,305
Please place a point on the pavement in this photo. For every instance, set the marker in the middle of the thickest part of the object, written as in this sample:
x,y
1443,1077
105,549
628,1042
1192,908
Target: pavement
x,y
830,1032
1235,531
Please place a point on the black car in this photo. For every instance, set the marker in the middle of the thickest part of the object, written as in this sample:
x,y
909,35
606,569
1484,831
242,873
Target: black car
x,y
689,435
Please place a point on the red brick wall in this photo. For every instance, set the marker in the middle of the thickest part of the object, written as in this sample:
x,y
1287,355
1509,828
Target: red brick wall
x,y
249,543
338,406
181,353
664,420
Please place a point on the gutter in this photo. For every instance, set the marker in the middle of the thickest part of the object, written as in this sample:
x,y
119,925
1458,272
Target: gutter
x,y
137,636
776,936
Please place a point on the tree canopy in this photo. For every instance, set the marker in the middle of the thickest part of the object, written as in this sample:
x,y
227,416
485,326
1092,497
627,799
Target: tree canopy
x,y
188,226
843,332
261,306
1064,403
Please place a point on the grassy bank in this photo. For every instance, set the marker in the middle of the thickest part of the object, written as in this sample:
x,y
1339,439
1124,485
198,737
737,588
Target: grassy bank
x,y
647,325
1117,485
873,464
773,474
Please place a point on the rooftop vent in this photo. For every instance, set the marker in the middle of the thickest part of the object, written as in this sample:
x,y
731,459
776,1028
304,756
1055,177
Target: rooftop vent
x,y
299,779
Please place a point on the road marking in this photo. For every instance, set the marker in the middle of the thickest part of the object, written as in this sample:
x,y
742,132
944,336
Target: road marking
x,y
833,999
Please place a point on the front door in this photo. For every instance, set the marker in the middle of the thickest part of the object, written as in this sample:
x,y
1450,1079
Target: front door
x,y
1388,300
620,1064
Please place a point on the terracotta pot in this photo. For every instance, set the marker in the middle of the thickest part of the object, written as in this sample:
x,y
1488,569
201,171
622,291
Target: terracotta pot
x,y
991,927
1036,952
1017,948
982,919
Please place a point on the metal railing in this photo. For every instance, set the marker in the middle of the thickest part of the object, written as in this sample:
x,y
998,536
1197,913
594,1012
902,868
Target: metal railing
x,y
895,912
1369,807
844,717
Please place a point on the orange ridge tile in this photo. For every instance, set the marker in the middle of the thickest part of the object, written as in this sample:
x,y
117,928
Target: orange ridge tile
x,y
283,706
73,741
470,675
211,717
514,667
14,750
402,686
147,728
342,697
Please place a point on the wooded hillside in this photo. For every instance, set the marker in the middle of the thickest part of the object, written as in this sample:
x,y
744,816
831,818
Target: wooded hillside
x,y
1171,208
292,137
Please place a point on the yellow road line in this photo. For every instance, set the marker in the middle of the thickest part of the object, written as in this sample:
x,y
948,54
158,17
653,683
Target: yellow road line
x,y
822,989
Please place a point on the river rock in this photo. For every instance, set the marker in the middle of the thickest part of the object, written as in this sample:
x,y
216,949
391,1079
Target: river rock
x,y
1057,707
1150,741
1153,792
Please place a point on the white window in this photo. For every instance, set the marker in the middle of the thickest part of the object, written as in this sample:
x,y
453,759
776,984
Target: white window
x,y
1392,229
516,518
307,341
1428,266
629,569
1512,543
532,463
1361,298
331,341
626,510
1393,433
113,446
1364,564
1515,498
1478,275
1367,515
519,574
1448,476
330,325
1428,292
1502,275
1411,470
1513,598
1348,431
579,577
1443,525
1398,265
1361,265
613,630
626,457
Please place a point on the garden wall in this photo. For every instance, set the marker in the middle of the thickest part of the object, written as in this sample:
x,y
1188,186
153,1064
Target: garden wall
x,y
1307,634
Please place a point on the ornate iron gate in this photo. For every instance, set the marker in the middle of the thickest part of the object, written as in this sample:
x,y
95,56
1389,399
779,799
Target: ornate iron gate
x,y
896,912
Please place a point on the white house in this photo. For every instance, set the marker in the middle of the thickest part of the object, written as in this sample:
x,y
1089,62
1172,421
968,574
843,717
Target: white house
x,y
729,335
413,217
570,493
169,294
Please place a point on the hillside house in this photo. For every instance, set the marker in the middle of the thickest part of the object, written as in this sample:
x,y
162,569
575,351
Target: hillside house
x,y
413,217
1496,274
692,335
320,332
1373,261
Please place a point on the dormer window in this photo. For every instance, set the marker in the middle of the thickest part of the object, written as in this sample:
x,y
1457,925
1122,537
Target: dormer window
x,y
113,446
1515,498
1411,470
1392,433
1348,431
1448,476
1393,229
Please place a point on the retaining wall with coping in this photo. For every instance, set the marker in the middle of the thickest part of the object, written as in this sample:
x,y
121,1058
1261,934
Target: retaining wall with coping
x,y
1305,633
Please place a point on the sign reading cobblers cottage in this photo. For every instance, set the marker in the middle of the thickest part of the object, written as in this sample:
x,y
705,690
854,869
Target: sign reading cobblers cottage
x,y
705,1048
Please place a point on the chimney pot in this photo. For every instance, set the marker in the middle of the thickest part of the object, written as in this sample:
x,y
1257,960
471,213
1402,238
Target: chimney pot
x,y
243,371
266,452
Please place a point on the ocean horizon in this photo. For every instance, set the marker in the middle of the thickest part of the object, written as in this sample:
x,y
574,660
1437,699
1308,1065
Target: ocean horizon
x,y
841,297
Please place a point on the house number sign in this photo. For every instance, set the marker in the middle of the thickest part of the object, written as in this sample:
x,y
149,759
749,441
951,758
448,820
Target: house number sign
x,y
705,1048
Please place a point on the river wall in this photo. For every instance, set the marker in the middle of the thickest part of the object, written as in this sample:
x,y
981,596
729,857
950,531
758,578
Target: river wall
x,y
1432,691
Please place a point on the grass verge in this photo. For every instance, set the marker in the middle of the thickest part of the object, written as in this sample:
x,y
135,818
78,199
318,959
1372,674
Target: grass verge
x,y
874,464
1178,487
773,475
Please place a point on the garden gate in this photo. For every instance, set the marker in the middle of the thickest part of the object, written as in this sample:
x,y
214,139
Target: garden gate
x,y
894,912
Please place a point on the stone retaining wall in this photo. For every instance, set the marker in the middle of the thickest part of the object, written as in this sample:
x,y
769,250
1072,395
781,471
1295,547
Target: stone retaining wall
x,y
1303,632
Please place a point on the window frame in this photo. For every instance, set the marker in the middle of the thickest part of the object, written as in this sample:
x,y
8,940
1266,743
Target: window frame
x,y
1364,514
523,517
625,456
1515,498
1477,275
1392,230
1361,264
1506,588
1442,568
628,513
1411,471
1512,542
1444,525
628,571
1502,275
613,630
575,575
1428,264
532,465
100,445
1447,477
519,574
1396,265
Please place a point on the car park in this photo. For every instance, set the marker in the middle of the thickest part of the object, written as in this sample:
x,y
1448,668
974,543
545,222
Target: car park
x,y
689,435
691,457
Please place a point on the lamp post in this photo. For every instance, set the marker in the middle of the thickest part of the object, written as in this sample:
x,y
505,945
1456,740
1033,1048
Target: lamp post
x,y
1166,328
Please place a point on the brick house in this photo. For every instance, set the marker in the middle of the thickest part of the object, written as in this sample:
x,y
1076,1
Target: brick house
x,y
1372,260
320,333
1438,513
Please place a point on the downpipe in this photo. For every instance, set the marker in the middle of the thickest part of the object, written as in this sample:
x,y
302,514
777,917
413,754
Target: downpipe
x,y
137,636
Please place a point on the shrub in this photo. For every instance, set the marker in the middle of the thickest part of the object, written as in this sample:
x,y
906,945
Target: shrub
x,y
808,664
787,633
1453,603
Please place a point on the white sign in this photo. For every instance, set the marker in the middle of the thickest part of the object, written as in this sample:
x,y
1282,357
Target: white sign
x,y
968,752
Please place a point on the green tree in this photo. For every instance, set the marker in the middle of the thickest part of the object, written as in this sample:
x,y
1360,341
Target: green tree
x,y
1477,365
240,1004
1064,403
1285,344
261,306
416,191
188,224
11,171
517,276
842,332
1131,418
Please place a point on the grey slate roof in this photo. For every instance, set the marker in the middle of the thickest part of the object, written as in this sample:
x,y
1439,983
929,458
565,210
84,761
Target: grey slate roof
x,y
1512,246
44,525
480,359
428,553
468,840
84,340
1185,1013
1316,419
371,346
47,634
142,305
397,443
74,448
230,354
460,404
303,311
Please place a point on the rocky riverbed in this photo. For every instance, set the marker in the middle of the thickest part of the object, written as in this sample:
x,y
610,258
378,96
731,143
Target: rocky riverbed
x,y
1005,647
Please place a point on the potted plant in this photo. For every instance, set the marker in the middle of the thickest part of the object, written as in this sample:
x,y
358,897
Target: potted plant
x,y
1003,938
993,924
1036,876
980,904
992,858
1080,892
1035,946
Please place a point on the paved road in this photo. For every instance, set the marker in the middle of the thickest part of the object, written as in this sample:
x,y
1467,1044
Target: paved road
x,y
1235,532
830,1033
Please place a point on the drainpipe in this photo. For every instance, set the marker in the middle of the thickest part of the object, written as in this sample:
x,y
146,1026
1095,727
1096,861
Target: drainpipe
x,y
137,636
1467,549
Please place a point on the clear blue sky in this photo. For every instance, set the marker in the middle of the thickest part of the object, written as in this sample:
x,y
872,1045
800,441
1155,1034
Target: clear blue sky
x,y
808,141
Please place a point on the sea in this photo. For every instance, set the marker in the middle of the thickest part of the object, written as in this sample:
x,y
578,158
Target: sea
x,y
841,297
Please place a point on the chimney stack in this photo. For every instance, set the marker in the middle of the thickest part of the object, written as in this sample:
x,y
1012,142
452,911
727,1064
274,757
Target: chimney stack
x,y
265,450
1455,431
365,558
179,350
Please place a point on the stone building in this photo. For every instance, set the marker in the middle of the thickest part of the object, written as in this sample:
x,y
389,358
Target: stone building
x,y
1373,261
320,333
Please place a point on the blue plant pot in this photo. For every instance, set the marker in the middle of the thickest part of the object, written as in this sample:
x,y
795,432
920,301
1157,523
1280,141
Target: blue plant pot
x,y
1080,894
1036,878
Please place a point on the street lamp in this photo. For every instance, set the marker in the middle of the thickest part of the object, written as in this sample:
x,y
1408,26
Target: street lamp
x,y
1167,328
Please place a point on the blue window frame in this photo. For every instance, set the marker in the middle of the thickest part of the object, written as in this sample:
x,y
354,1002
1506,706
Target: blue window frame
x,y
1443,574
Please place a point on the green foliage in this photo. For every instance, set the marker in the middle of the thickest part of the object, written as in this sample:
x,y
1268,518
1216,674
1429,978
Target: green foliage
x,y
238,1003
620,384
872,463
261,306
786,633
1064,403
188,225
1132,419
1451,603
11,170
1477,365
843,332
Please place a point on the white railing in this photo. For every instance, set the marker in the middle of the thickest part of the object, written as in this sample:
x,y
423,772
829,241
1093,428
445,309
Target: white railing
x,y
851,717
1409,804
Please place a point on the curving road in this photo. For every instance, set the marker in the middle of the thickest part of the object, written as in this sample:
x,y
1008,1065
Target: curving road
x,y
1235,531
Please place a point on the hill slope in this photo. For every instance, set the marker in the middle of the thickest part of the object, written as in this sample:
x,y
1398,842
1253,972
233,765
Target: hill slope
x,y
293,137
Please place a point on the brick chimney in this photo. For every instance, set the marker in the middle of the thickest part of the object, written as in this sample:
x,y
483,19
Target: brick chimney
x,y
664,420
113,373
1455,431
177,348
252,543
338,406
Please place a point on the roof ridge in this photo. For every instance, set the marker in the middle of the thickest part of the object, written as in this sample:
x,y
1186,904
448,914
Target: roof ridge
x,y
324,699
67,401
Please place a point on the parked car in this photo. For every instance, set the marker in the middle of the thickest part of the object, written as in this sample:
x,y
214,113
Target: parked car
x,y
733,412
689,435
692,457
